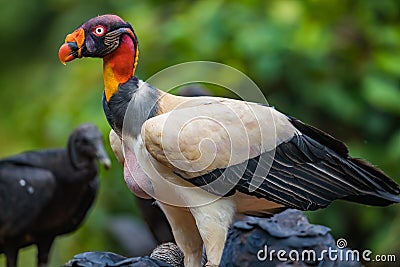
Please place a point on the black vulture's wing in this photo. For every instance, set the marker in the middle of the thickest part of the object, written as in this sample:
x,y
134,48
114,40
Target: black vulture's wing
x,y
35,158
24,190
80,212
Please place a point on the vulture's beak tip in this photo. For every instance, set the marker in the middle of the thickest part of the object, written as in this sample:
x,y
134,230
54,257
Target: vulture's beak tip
x,y
66,53
72,48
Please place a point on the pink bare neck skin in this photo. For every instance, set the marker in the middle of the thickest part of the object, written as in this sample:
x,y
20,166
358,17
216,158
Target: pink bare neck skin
x,y
135,178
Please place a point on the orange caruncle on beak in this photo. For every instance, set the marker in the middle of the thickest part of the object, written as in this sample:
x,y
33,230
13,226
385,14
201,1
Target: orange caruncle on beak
x,y
72,48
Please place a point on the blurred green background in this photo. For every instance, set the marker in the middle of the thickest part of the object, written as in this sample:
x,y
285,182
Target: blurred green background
x,y
333,64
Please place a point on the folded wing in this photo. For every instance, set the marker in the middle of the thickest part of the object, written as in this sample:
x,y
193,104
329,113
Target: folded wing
x,y
226,146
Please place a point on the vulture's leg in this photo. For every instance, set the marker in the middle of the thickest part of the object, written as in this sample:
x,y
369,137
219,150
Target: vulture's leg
x,y
213,221
185,232
44,246
11,255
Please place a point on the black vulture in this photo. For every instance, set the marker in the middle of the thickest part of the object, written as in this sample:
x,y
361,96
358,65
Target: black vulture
x,y
47,193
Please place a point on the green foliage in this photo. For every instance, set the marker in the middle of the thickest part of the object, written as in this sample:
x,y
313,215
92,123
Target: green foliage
x,y
333,64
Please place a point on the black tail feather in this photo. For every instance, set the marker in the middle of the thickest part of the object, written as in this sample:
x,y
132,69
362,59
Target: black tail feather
x,y
384,191
376,188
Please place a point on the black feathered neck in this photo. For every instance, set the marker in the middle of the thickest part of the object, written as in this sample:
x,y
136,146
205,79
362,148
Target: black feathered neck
x,y
137,99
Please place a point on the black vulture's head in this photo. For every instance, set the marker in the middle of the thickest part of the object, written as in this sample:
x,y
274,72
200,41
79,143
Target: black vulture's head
x,y
85,145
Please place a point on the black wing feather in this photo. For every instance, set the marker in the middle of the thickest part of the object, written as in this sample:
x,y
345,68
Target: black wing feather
x,y
24,191
308,172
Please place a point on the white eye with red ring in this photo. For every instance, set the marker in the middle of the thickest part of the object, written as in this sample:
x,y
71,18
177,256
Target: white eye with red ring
x,y
99,30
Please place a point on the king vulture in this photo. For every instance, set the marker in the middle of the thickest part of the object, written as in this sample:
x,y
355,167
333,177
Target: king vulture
x,y
206,158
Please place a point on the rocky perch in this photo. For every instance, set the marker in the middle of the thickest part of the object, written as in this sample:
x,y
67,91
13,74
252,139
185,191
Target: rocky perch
x,y
286,239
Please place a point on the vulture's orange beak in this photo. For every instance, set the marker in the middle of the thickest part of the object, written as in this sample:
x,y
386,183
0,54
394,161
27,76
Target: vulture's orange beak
x,y
72,48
